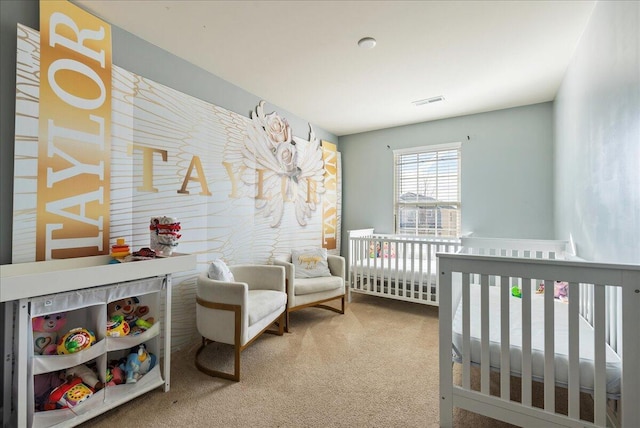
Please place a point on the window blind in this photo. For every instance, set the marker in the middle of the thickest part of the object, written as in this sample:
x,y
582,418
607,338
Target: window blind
x,y
427,191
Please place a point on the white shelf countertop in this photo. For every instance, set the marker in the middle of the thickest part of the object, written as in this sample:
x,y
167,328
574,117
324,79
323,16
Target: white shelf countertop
x,y
25,280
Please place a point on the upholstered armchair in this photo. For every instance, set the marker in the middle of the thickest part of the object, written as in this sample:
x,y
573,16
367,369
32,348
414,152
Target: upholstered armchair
x,y
314,290
237,308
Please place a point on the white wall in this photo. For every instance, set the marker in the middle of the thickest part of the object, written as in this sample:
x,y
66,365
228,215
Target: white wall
x,y
597,138
507,171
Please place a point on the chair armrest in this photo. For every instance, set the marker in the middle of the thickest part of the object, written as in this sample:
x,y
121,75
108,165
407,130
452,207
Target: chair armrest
x,y
336,265
260,277
290,274
231,293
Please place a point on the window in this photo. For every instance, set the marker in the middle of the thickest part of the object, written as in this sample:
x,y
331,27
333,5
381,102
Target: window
x,y
427,191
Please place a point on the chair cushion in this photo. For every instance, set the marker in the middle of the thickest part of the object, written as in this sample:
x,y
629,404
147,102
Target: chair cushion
x,y
262,303
310,263
316,285
219,271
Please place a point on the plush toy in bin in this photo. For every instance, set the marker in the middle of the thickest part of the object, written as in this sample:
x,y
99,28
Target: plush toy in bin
x,y
132,312
88,376
43,384
45,332
139,363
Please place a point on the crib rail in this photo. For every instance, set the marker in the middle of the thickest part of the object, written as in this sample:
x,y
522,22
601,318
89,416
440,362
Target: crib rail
x,y
396,266
608,294
522,248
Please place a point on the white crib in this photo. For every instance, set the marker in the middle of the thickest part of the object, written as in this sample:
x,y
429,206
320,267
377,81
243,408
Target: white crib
x,y
396,266
590,343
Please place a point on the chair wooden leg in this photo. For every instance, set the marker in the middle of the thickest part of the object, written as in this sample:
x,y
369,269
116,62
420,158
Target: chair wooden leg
x,y
216,373
286,320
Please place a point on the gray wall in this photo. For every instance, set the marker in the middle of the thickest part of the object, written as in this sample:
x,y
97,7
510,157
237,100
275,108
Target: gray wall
x,y
597,138
507,172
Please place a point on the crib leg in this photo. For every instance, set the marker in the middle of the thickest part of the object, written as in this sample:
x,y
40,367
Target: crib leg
x,y
446,397
446,411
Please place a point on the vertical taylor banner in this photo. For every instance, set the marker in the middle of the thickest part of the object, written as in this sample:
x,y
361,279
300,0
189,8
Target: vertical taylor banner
x,y
330,200
74,136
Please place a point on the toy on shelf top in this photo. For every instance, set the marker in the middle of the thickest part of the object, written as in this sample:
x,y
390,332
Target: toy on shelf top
x,y
120,249
164,235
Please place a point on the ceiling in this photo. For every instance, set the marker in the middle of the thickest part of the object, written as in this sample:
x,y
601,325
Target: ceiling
x,y
303,56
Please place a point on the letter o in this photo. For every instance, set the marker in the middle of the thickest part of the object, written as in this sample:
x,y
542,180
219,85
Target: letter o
x,y
78,67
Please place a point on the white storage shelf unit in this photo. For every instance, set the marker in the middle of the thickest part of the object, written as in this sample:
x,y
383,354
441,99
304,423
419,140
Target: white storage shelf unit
x,y
82,288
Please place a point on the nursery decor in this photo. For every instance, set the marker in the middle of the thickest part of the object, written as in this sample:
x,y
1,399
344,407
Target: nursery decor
x,y
71,393
138,364
120,250
233,177
164,235
76,340
45,332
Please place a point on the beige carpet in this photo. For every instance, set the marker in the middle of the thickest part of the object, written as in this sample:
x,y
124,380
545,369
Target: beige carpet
x,y
375,366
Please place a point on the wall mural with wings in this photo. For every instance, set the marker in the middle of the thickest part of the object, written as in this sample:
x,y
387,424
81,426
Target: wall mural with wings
x,y
244,189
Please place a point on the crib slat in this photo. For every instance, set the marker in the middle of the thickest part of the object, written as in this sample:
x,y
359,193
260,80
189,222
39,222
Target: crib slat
x,y
526,341
485,364
600,386
575,299
405,255
466,332
505,329
549,348
420,270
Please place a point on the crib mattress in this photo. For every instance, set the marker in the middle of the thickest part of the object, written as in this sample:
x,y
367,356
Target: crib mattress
x,y
561,335
398,269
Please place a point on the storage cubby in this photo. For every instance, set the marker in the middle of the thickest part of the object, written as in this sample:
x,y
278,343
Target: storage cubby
x,y
82,295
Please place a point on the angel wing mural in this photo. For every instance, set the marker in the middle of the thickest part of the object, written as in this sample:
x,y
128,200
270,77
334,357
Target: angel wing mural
x,y
281,168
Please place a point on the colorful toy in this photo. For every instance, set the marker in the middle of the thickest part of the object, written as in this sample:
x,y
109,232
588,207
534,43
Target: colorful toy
x,y
43,384
117,327
164,235
560,290
120,249
117,376
516,292
88,376
76,340
131,310
138,364
71,393
45,332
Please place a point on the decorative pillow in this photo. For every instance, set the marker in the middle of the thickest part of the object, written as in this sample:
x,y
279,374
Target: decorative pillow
x,y
310,263
219,271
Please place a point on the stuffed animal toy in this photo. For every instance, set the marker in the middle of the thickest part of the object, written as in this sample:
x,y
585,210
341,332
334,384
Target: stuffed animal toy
x,y
560,290
88,376
138,364
45,332
43,384
115,372
132,311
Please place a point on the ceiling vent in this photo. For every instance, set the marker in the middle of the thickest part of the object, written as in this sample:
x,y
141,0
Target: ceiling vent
x,y
428,101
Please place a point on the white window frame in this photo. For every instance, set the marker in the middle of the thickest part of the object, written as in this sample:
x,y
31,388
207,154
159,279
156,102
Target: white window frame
x,y
436,203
